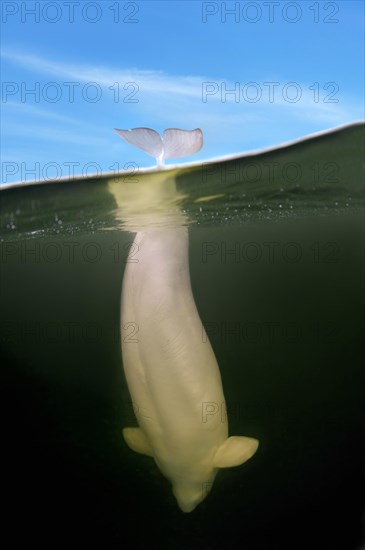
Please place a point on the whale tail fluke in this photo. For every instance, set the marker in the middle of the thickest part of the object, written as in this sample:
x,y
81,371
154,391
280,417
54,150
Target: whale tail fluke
x,y
174,143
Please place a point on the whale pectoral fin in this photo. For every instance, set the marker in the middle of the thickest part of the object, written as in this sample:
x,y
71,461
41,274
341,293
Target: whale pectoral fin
x,y
235,451
137,441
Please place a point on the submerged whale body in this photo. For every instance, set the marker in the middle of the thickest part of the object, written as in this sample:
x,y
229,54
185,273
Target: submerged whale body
x,y
171,370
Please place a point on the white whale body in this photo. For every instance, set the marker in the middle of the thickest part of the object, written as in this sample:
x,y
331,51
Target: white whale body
x,y
170,367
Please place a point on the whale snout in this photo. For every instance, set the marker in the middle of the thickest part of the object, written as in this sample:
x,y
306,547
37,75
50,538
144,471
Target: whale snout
x,y
188,504
188,497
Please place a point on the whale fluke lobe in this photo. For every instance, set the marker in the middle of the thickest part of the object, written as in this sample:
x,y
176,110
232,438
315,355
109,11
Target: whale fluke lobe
x,y
174,143
181,143
144,138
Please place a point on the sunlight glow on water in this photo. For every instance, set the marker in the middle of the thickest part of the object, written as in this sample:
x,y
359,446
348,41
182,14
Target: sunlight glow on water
x,y
318,176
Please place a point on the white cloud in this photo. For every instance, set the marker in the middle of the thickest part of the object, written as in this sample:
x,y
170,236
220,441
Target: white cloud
x,y
164,100
45,133
155,84
27,109
150,81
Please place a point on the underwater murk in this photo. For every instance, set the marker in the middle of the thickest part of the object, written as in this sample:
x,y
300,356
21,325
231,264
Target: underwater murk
x,y
273,249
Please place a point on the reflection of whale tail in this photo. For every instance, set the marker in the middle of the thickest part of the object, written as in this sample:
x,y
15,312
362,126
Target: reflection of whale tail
x,y
174,143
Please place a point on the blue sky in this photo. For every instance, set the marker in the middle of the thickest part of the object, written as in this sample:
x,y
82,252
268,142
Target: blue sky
x,y
294,68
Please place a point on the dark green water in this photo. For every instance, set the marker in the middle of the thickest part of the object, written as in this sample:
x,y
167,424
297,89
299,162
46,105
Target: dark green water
x,y
277,274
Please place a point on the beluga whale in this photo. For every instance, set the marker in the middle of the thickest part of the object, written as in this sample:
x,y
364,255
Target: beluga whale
x,y
170,368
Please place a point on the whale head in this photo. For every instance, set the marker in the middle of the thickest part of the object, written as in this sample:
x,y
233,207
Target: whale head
x,y
191,485
190,493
